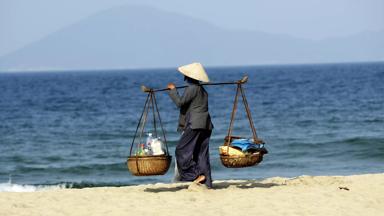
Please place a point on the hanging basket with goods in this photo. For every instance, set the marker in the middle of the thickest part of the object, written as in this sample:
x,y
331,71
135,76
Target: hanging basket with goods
x,y
238,152
149,157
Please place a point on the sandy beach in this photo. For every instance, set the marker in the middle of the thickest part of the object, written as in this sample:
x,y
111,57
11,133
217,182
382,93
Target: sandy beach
x,y
303,195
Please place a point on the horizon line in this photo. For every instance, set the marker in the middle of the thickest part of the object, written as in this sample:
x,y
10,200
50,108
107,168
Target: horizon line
x,y
175,68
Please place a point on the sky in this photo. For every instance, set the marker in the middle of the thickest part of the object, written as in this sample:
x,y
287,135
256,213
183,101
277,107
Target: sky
x,y
25,21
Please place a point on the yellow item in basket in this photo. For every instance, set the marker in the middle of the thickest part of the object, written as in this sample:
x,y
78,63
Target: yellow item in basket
x,y
228,150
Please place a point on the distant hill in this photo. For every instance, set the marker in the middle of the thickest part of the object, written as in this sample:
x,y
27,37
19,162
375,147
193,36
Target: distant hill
x,y
144,37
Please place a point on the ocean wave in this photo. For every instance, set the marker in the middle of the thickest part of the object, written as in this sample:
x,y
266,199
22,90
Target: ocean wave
x,y
11,187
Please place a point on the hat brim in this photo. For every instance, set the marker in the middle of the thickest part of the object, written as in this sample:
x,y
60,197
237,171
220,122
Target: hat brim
x,y
194,71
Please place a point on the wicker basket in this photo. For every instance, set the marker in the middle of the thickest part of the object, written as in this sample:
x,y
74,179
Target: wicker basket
x,y
237,161
149,165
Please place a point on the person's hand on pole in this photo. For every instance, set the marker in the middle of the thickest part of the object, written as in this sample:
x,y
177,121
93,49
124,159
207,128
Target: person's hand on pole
x,y
171,86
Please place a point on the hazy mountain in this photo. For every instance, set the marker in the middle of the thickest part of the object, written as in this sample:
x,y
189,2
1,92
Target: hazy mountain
x,y
143,37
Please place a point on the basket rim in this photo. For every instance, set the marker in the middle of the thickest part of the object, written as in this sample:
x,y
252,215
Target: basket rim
x,y
149,157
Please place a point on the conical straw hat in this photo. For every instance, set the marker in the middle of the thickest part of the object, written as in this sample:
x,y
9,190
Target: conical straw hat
x,y
194,71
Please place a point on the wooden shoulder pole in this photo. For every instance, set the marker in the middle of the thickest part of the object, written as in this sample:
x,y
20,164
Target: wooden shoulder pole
x,y
242,81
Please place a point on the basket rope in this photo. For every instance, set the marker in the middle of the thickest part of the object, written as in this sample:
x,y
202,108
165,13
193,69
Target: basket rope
x,y
149,105
138,125
239,91
231,161
161,124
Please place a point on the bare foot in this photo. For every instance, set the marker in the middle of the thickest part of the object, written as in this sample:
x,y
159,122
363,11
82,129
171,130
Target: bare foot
x,y
199,179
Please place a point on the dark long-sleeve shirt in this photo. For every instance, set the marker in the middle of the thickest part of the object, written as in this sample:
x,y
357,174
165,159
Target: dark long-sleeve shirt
x,y
193,106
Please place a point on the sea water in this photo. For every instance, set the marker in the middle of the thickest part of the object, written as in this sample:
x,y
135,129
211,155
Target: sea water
x,y
75,128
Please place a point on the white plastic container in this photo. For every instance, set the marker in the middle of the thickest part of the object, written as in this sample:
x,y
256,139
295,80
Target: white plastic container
x,y
158,147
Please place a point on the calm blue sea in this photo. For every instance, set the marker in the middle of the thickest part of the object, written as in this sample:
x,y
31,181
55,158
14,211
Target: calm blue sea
x,y
74,129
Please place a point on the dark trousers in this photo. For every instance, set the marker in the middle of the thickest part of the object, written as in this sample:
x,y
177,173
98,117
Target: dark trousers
x,y
192,155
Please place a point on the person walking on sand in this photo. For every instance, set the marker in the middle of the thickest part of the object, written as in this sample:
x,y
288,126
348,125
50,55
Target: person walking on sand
x,y
192,150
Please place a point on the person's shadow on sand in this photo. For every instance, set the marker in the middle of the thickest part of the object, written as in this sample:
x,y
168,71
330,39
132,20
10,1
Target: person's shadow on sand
x,y
216,186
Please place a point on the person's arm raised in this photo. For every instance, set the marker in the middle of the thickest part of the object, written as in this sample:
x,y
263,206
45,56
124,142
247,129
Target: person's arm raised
x,y
189,94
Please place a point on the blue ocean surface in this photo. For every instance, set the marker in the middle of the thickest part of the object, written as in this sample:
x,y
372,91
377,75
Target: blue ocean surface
x,y
75,128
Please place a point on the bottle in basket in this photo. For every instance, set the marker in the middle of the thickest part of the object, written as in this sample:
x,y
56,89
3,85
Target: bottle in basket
x,y
140,150
148,145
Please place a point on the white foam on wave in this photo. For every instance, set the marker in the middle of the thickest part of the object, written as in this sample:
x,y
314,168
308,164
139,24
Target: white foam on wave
x,y
10,187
